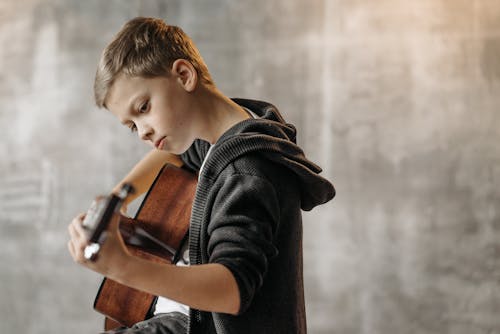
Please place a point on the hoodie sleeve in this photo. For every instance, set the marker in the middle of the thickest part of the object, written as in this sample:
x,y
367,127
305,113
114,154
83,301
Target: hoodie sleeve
x,y
243,220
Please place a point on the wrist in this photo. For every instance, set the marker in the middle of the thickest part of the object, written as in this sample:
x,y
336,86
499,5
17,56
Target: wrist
x,y
121,268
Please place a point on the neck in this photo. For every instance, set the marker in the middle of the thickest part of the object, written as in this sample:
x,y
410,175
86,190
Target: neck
x,y
216,114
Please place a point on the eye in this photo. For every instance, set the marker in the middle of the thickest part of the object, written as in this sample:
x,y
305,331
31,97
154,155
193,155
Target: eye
x,y
132,127
144,107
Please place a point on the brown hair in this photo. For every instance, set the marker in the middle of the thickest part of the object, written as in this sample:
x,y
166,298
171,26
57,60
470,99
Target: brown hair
x,y
145,47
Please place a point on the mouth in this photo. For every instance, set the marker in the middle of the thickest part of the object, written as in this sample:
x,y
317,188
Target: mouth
x,y
159,143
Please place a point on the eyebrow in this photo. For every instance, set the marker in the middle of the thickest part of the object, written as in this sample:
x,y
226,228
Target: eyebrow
x,y
130,106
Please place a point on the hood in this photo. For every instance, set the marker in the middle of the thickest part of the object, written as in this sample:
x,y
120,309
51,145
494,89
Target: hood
x,y
276,140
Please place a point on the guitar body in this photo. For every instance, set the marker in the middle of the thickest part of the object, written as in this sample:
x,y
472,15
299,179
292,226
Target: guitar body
x,y
164,214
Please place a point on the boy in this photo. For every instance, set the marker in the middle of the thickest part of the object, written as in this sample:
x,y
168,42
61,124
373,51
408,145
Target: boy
x,y
243,273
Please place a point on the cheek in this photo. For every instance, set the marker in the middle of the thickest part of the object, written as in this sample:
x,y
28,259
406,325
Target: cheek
x,y
174,124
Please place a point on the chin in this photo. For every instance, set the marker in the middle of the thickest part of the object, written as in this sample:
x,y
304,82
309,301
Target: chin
x,y
176,150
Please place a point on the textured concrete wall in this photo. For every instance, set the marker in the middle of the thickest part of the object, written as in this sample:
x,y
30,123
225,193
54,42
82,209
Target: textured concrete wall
x,y
397,100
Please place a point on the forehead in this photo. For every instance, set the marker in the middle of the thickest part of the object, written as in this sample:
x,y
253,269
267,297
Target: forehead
x,y
123,89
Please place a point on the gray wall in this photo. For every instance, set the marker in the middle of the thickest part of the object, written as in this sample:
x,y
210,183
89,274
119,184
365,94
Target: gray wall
x,y
396,100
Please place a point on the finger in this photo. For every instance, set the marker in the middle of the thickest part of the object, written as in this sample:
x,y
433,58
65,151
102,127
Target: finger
x,y
74,252
77,251
77,224
79,227
73,234
78,243
123,209
71,249
114,238
114,222
79,218
76,233
99,198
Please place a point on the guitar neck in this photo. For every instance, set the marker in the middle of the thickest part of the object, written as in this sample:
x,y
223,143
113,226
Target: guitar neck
x,y
136,233
98,218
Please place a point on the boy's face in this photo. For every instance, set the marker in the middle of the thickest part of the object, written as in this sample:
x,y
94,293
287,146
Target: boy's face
x,y
157,108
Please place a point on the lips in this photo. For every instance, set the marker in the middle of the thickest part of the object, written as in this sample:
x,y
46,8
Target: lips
x,y
159,143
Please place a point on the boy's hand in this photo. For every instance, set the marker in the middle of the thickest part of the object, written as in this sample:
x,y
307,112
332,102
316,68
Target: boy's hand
x,y
112,255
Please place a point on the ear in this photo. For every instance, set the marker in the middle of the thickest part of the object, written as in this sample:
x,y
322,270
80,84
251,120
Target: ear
x,y
186,74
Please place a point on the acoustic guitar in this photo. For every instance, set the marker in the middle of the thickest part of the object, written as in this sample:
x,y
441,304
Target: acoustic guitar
x,y
155,233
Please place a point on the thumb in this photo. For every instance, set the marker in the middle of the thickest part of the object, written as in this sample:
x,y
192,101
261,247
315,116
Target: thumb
x,y
112,232
114,222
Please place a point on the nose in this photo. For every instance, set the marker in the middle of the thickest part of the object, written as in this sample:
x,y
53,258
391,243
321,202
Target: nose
x,y
144,131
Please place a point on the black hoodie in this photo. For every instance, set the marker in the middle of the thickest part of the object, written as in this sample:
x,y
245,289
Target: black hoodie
x,y
246,216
